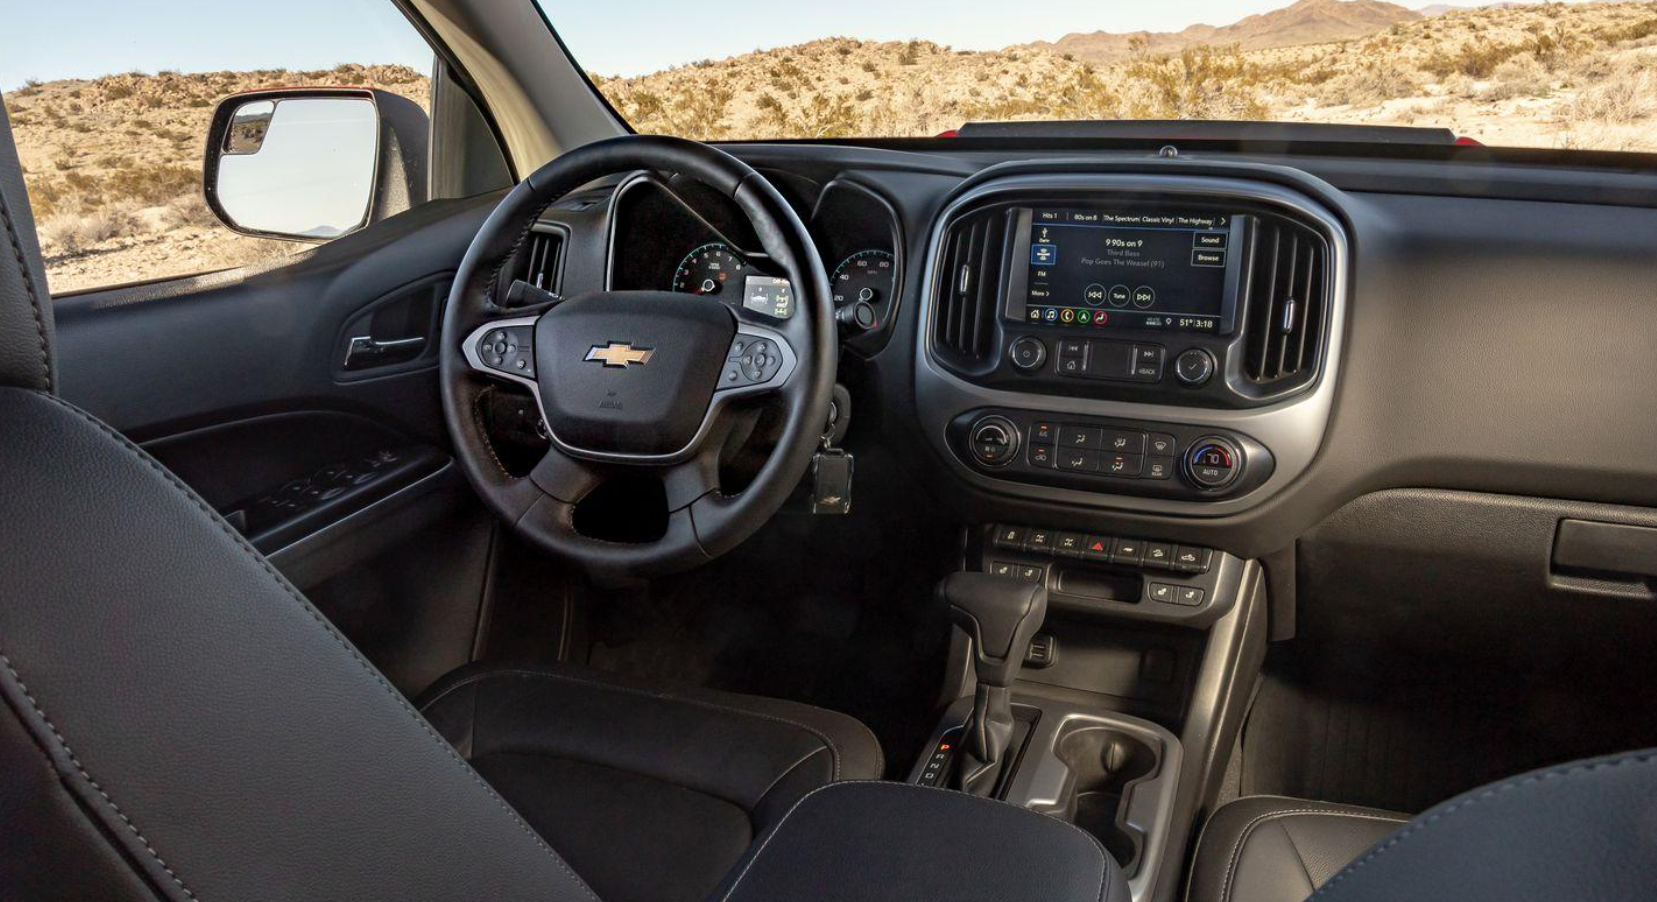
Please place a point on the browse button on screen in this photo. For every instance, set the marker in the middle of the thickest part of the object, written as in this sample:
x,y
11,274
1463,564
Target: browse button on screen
x,y
1200,257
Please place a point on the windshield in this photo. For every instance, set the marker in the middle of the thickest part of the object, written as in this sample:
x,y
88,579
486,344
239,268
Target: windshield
x,y
1571,75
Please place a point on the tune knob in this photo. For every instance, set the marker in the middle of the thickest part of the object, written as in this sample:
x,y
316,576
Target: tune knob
x,y
993,441
1194,367
1213,462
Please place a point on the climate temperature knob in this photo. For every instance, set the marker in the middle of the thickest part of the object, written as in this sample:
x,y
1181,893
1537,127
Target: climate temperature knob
x,y
993,441
1213,462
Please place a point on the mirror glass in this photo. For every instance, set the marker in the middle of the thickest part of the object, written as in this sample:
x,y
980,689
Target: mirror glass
x,y
302,167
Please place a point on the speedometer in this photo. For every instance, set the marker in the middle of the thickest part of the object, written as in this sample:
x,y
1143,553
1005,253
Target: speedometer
x,y
864,276
709,269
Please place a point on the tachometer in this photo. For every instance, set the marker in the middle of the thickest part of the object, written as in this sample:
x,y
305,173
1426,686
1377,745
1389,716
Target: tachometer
x,y
709,269
864,276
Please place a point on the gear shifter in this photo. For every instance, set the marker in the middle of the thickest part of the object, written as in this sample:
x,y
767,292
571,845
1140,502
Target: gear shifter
x,y
1001,615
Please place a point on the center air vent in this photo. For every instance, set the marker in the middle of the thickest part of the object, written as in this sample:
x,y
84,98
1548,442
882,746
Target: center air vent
x,y
1286,298
969,283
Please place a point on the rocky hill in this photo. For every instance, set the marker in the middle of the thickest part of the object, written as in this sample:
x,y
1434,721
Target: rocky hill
x,y
1305,22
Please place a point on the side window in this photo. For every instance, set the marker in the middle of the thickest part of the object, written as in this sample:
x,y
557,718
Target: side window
x,y
111,112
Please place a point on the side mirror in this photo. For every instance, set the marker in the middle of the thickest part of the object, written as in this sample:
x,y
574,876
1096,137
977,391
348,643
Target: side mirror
x,y
312,164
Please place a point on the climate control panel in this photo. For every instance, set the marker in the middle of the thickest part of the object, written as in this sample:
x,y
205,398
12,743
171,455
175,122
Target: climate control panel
x,y
1121,457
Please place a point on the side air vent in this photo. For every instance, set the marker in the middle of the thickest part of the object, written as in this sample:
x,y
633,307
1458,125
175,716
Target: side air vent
x,y
1286,298
969,283
544,256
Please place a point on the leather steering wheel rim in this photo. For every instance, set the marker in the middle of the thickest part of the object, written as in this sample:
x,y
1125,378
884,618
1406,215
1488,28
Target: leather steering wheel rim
x,y
703,522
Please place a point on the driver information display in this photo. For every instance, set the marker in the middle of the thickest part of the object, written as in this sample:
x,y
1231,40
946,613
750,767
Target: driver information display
x,y
1121,268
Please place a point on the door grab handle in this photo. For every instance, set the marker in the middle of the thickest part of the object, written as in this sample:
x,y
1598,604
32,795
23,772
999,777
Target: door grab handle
x,y
366,350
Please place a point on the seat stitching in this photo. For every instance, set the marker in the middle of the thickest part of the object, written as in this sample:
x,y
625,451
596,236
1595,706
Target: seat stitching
x,y
1104,863
1248,829
69,753
29,288
330,630
1565,771
834,750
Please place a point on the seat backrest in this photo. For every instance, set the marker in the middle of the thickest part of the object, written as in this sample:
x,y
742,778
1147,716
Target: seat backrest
x,y
178,721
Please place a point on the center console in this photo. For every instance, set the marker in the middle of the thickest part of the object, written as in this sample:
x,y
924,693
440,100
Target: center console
x,y
1094,338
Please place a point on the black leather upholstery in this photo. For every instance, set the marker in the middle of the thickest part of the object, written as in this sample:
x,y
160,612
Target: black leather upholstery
x,y
1585,831
1275,849
631,782
898,842
25,305
178,722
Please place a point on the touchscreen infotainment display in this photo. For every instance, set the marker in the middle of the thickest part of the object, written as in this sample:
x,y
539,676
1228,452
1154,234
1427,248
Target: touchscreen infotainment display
x,y
1156,269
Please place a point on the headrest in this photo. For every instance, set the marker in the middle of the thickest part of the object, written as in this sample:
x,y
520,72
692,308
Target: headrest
x,y
25,304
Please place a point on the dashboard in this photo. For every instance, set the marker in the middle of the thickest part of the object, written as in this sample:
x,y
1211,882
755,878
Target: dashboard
x,y
672,235
1220,348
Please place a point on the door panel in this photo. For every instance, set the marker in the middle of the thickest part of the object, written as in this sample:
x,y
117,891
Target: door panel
x,y
341,474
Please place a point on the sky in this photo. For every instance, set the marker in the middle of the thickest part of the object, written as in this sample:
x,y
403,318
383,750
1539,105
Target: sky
x,y
52,39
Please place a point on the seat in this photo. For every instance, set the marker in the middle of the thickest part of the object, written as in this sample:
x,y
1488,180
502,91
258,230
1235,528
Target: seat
x,y
1277,849
631,781
178,722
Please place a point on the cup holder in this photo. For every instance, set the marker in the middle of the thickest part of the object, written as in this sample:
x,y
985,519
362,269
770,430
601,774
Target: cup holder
x,y
1105,764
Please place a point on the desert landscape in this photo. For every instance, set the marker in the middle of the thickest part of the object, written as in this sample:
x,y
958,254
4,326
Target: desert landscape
x,y
113,166
113,163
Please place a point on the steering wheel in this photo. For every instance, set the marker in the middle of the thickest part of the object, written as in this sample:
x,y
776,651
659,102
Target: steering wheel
x,y
638,381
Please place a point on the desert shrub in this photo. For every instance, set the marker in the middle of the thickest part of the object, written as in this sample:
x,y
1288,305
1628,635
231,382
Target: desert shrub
x,y
827,116
910,54
152,185
187,210
118,92
1477,59
74,233
1198,83
1521,76
1369,87
1628,94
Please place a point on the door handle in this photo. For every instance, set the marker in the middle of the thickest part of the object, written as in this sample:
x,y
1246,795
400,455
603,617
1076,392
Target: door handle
x,y
366,350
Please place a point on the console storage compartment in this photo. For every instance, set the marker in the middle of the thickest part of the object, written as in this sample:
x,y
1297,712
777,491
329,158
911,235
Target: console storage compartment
x,y
897,842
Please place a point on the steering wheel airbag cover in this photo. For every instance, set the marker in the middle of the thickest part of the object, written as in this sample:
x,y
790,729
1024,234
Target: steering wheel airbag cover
x,y
630,373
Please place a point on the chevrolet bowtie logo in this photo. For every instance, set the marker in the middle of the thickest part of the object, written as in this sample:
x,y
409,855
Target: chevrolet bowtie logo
x,y
620,354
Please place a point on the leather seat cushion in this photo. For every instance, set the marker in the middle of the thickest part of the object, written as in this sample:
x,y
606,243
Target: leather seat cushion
x,y
1274,849
649,793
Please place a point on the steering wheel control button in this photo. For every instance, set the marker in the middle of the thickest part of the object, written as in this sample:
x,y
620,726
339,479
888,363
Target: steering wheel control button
x,y
1194,367
509,349
752,361
994,441
1213,463
1027,354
